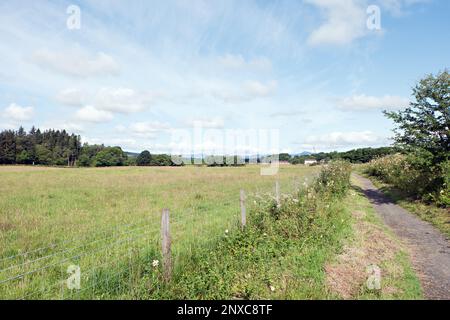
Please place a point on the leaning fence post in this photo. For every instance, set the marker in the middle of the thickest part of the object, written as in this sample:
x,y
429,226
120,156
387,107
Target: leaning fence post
x,y
166,245
277,192
243,212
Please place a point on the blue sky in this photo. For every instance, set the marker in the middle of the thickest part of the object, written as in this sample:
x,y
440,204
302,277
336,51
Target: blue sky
x,y
137,70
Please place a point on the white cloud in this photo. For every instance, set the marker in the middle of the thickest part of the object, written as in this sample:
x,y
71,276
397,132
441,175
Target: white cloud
x,y
345,22
76,63
71,97
238,62
342,139
91,114
212,123
363,102
148,129
123,100
398,7
15,112
127,144
71,127
258,89
290,113
250,90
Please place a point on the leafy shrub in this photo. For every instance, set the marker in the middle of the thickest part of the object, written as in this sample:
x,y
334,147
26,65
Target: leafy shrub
x,y
413,174
443,197
334,178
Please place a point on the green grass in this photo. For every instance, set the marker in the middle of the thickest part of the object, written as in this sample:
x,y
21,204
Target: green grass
x,y
107,221
280,255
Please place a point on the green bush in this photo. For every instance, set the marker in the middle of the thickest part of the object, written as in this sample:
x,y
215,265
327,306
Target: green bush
x,y
334,178
110,156
443,197
414,174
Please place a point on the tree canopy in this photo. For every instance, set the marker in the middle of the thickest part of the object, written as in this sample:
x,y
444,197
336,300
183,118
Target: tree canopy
x,y
51,147
144,158
424,126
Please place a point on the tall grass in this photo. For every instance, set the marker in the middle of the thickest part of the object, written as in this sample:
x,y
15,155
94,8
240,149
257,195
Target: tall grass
x,y
107,222
280,254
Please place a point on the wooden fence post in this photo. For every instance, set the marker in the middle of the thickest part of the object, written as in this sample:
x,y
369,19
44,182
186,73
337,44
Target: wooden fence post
x,y
277,192
243,212
166,245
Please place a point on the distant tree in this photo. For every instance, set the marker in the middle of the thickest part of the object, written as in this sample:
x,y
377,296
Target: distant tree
x,y
131,161
43,155
424,126
23,158
84,161
161,160
7,147
144,158
110,156
284,157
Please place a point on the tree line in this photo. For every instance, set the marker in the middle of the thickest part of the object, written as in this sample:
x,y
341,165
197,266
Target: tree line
x,y
51,147
361,155
59,148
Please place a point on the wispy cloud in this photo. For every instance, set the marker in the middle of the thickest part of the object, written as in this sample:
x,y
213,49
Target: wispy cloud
x,y
76,62
363,102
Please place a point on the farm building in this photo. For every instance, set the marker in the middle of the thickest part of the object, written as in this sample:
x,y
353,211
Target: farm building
x,y
310,162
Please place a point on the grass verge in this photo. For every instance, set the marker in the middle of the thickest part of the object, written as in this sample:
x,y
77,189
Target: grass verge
x,y
371,244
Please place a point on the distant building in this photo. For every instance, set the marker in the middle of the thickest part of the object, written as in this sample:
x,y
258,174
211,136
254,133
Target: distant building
x,y
310,162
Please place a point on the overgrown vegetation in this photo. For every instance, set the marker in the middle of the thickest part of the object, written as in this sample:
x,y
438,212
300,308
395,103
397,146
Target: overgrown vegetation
x,y
280,254
423,133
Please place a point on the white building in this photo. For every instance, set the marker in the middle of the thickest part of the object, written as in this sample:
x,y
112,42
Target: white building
x,y
309,162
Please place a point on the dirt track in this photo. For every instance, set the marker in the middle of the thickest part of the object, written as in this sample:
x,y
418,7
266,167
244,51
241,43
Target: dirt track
x,y
429,248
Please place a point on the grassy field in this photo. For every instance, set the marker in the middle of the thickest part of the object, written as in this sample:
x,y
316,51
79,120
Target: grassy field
x,y
107,222
105,219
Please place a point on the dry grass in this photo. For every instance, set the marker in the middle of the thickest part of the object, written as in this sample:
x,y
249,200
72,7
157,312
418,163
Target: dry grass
x,y
372,244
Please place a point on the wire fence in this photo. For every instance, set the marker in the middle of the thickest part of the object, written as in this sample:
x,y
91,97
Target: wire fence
x,y
114,262
106,264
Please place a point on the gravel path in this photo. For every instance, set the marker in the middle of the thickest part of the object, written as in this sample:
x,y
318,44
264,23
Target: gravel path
x,y
430,249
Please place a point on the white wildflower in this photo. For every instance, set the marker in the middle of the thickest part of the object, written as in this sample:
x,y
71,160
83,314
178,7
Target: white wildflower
x,y
155,263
